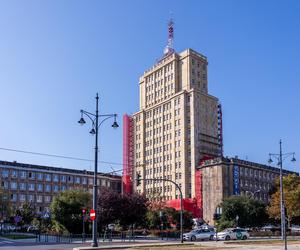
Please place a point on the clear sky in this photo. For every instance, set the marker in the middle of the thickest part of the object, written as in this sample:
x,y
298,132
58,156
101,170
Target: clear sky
x,y
55,55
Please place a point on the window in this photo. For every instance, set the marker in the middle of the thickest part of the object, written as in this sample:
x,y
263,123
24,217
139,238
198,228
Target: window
x,y
31,186
63,178
48,188
39,176
77,180
63,188
48,177
40,187
90,181
13,197
84,181
4,184
30,198
4,173
47,198
55,188
22,197
70,178
23,174
55,178
22,186
14,173
13,185
39,198
31,175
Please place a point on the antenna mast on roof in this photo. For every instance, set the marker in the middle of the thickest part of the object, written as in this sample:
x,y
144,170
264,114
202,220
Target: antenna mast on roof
x,y
169,48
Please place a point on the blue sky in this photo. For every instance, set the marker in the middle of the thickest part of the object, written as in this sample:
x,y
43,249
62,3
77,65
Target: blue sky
x,y
55,55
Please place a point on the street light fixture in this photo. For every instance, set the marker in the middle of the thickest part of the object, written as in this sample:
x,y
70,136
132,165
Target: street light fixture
x,y
94,131
280,158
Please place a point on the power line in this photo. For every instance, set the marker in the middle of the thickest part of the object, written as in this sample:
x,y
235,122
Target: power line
x,y
58,156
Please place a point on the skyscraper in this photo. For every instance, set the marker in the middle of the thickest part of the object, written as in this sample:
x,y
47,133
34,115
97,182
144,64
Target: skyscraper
x,y
176,126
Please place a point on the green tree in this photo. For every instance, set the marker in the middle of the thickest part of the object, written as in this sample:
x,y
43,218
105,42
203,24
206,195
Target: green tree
x,y
5,208
66,209
291,189
27,213
250,212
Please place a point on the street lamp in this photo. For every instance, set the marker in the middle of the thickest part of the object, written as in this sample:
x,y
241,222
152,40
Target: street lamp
x,y
280,158
94,131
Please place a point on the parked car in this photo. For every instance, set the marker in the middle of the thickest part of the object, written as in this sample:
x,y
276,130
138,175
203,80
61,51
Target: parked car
x,y
199,234
32,229
232,234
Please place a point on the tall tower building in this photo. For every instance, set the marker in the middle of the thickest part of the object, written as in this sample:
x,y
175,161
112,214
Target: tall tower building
x,y
175,127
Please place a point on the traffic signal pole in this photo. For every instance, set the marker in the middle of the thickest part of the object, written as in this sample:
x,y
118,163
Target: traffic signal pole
x,y
138,182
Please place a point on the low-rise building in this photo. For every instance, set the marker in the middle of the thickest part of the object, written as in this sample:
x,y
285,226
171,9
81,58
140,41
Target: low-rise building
x,y
224,177
39,184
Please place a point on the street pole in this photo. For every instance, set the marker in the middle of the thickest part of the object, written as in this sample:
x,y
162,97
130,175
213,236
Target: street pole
x,y
181,216
95,131
283,228
95,191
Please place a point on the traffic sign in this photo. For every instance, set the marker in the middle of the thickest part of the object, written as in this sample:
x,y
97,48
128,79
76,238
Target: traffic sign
x,y
92,214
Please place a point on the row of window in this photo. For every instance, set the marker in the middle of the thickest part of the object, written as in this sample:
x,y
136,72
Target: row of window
x,y
42,176
30,198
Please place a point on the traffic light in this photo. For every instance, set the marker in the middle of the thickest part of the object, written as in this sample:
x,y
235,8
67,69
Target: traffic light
x,y
138,179
217,216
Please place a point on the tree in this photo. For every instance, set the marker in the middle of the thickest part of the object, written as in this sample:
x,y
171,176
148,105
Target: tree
x,y
27,213
5,208
250,212
291,190
66,209
126,209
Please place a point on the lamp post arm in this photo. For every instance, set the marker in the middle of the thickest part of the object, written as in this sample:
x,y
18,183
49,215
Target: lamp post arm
x,y
89,115
104,120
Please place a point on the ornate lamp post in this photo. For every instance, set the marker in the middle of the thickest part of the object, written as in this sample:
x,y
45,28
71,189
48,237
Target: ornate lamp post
x,y
280,158
94,131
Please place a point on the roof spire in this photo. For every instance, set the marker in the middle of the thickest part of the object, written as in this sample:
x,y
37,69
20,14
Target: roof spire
x,y
169,48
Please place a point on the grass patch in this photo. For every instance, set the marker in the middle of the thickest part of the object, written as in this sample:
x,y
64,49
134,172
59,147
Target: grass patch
x,y
18,236
175,247
262,242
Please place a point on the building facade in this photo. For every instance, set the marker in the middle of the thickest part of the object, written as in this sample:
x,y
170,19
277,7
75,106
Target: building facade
x,y
40,184
177,125
224,177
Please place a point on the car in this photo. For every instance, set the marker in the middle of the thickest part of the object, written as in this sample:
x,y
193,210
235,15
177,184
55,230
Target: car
x,y
232,234
199,234
32,229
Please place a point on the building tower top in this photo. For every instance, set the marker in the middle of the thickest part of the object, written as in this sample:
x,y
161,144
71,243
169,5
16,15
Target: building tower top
x,y
169,48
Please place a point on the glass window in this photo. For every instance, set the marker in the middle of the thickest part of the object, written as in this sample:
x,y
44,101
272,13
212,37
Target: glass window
x,y
39,198
22,186
63,178
91,181
55,188
13,185
23,174
13,197
14,173
77,180
4,184
84,180
40,187
30,198
63,188
39,176
31,186
4,173
47,198
31,175
55,178
48,177
48,188
70,178
22,197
